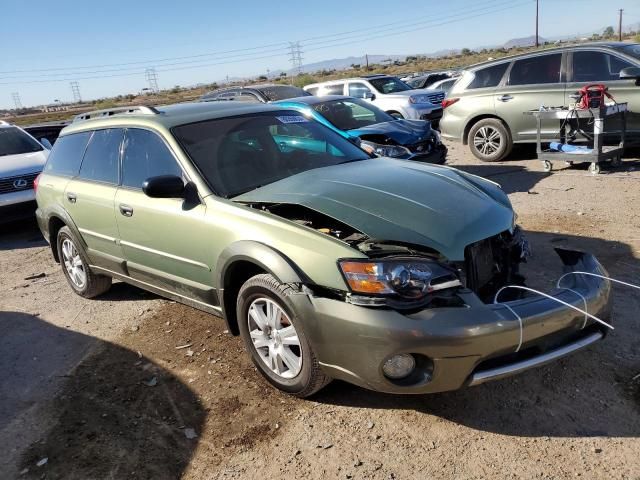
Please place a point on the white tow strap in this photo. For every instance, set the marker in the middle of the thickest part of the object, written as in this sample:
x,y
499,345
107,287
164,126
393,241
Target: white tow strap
x,y
599,276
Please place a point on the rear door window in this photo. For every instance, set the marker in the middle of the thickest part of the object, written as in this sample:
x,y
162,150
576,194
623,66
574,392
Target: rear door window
x,y
66,155
358,90
100,161
488,77
336,89
536,70
594,66
146,155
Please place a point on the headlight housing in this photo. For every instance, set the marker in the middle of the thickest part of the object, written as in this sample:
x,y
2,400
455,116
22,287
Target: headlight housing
x,y
408,278
385,150
419,99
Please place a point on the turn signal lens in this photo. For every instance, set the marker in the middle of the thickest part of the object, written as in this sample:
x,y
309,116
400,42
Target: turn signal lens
x,y
364,277
35,182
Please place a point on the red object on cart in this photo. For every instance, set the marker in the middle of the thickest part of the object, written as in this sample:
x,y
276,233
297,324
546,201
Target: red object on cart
x,y
593,96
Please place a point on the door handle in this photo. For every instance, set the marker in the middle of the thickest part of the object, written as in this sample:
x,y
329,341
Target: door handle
x,y
126,210
505,98
72,197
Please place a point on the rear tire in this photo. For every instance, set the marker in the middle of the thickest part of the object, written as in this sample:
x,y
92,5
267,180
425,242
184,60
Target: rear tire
x,y
75,266
274,337
490,140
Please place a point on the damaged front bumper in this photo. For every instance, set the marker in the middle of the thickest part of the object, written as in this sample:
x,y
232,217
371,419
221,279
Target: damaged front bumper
x,y
456,347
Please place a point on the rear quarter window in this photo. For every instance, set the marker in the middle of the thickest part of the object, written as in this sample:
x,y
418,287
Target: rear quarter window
x,y
488,77
66,156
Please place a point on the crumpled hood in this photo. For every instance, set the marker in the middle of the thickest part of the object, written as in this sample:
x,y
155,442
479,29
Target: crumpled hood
x,y
403,132
395,200
22,163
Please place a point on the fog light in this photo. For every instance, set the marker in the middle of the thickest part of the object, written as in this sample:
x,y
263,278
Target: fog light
x,y
399,366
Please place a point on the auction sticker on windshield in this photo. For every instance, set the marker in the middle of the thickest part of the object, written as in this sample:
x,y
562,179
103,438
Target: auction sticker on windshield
x,y
292,119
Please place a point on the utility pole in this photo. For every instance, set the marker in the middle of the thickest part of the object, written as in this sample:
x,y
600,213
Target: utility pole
x,y
295,55
16,100
620,25
537,16
366,56
152,77
75,89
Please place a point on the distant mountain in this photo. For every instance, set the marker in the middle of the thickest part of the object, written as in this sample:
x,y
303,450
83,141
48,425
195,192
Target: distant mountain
x,y
523,42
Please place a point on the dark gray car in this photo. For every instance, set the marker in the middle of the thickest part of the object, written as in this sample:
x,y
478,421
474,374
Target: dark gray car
x,y
484,109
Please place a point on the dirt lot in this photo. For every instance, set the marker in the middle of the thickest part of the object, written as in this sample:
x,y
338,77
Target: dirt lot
x,y
100,390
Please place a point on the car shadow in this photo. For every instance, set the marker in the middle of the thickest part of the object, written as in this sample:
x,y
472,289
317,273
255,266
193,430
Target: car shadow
x,y
91,408
592,393
21,234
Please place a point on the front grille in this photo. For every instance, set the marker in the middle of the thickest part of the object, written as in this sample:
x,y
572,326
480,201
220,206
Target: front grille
x,y
436,98
17,183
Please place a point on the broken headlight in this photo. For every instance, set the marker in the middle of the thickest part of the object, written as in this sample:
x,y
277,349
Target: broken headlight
x,y
410,279
385,150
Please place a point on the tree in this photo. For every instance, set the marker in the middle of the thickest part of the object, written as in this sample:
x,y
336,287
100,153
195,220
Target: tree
x,y
608,32
262,78
283,74
465,51
355,66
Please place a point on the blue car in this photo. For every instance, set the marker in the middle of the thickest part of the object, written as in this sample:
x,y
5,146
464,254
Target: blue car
x,y
375,130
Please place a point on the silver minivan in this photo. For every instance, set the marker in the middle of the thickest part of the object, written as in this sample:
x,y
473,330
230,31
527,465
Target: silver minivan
x,y
484,109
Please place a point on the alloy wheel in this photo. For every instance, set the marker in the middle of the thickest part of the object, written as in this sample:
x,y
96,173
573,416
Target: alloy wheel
x,y
274,337
487,140
73,264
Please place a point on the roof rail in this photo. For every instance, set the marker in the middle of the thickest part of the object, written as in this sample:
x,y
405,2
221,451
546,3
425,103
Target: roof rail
x,y
109,112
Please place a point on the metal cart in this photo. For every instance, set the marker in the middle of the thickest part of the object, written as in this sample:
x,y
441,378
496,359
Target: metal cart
x,y
600,152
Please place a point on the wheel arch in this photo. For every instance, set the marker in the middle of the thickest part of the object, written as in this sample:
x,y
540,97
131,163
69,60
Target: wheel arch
x,y
243,260
57,219
476,119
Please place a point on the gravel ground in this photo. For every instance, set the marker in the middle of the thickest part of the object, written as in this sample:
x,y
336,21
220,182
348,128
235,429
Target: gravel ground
x,y
98,388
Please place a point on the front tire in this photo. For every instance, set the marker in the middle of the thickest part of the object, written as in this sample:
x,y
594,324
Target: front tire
x,y
490,140
275,339
75,266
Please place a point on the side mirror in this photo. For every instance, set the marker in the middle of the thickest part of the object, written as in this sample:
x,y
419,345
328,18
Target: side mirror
x,y
164,186
630,73
355,140
370,96
46,143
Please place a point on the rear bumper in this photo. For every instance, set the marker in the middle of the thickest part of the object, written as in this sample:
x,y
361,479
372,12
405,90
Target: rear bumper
x,y
460,346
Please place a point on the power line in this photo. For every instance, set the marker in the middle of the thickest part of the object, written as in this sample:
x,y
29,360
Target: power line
x,y
75,89
152,77
16,100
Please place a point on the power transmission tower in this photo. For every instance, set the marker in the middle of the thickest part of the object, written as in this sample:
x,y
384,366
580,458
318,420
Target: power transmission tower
x,y
295,55
152,77
537,15
75,88
16,100
620,25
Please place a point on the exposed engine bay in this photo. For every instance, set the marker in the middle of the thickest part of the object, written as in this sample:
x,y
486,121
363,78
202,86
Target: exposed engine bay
x,y
489,264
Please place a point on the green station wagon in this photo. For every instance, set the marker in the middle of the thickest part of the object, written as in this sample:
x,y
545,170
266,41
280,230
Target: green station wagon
x,y
328,262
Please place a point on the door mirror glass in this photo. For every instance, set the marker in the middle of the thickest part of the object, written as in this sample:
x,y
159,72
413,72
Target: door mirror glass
x,y
164,186
46,143
630,73
370,95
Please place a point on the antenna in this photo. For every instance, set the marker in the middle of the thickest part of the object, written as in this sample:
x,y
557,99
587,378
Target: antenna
x,y
295,55
16,100
75,89
152,77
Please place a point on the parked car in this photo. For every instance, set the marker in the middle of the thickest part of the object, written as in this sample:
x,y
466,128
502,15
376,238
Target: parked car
x,y
47,132
254,93
387,93
485,107
328,262
427,80
380,132
21,160
444,85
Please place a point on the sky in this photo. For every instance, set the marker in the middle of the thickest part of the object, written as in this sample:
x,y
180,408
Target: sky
x,y
106,46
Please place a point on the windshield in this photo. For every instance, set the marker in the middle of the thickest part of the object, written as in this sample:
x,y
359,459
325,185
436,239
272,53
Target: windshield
x,y
14,141
389,85
632,49
239,154
351,114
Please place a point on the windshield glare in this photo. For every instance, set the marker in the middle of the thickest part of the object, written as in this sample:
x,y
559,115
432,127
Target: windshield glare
x,y
14,141
239,154
632,49
389,85
351,114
